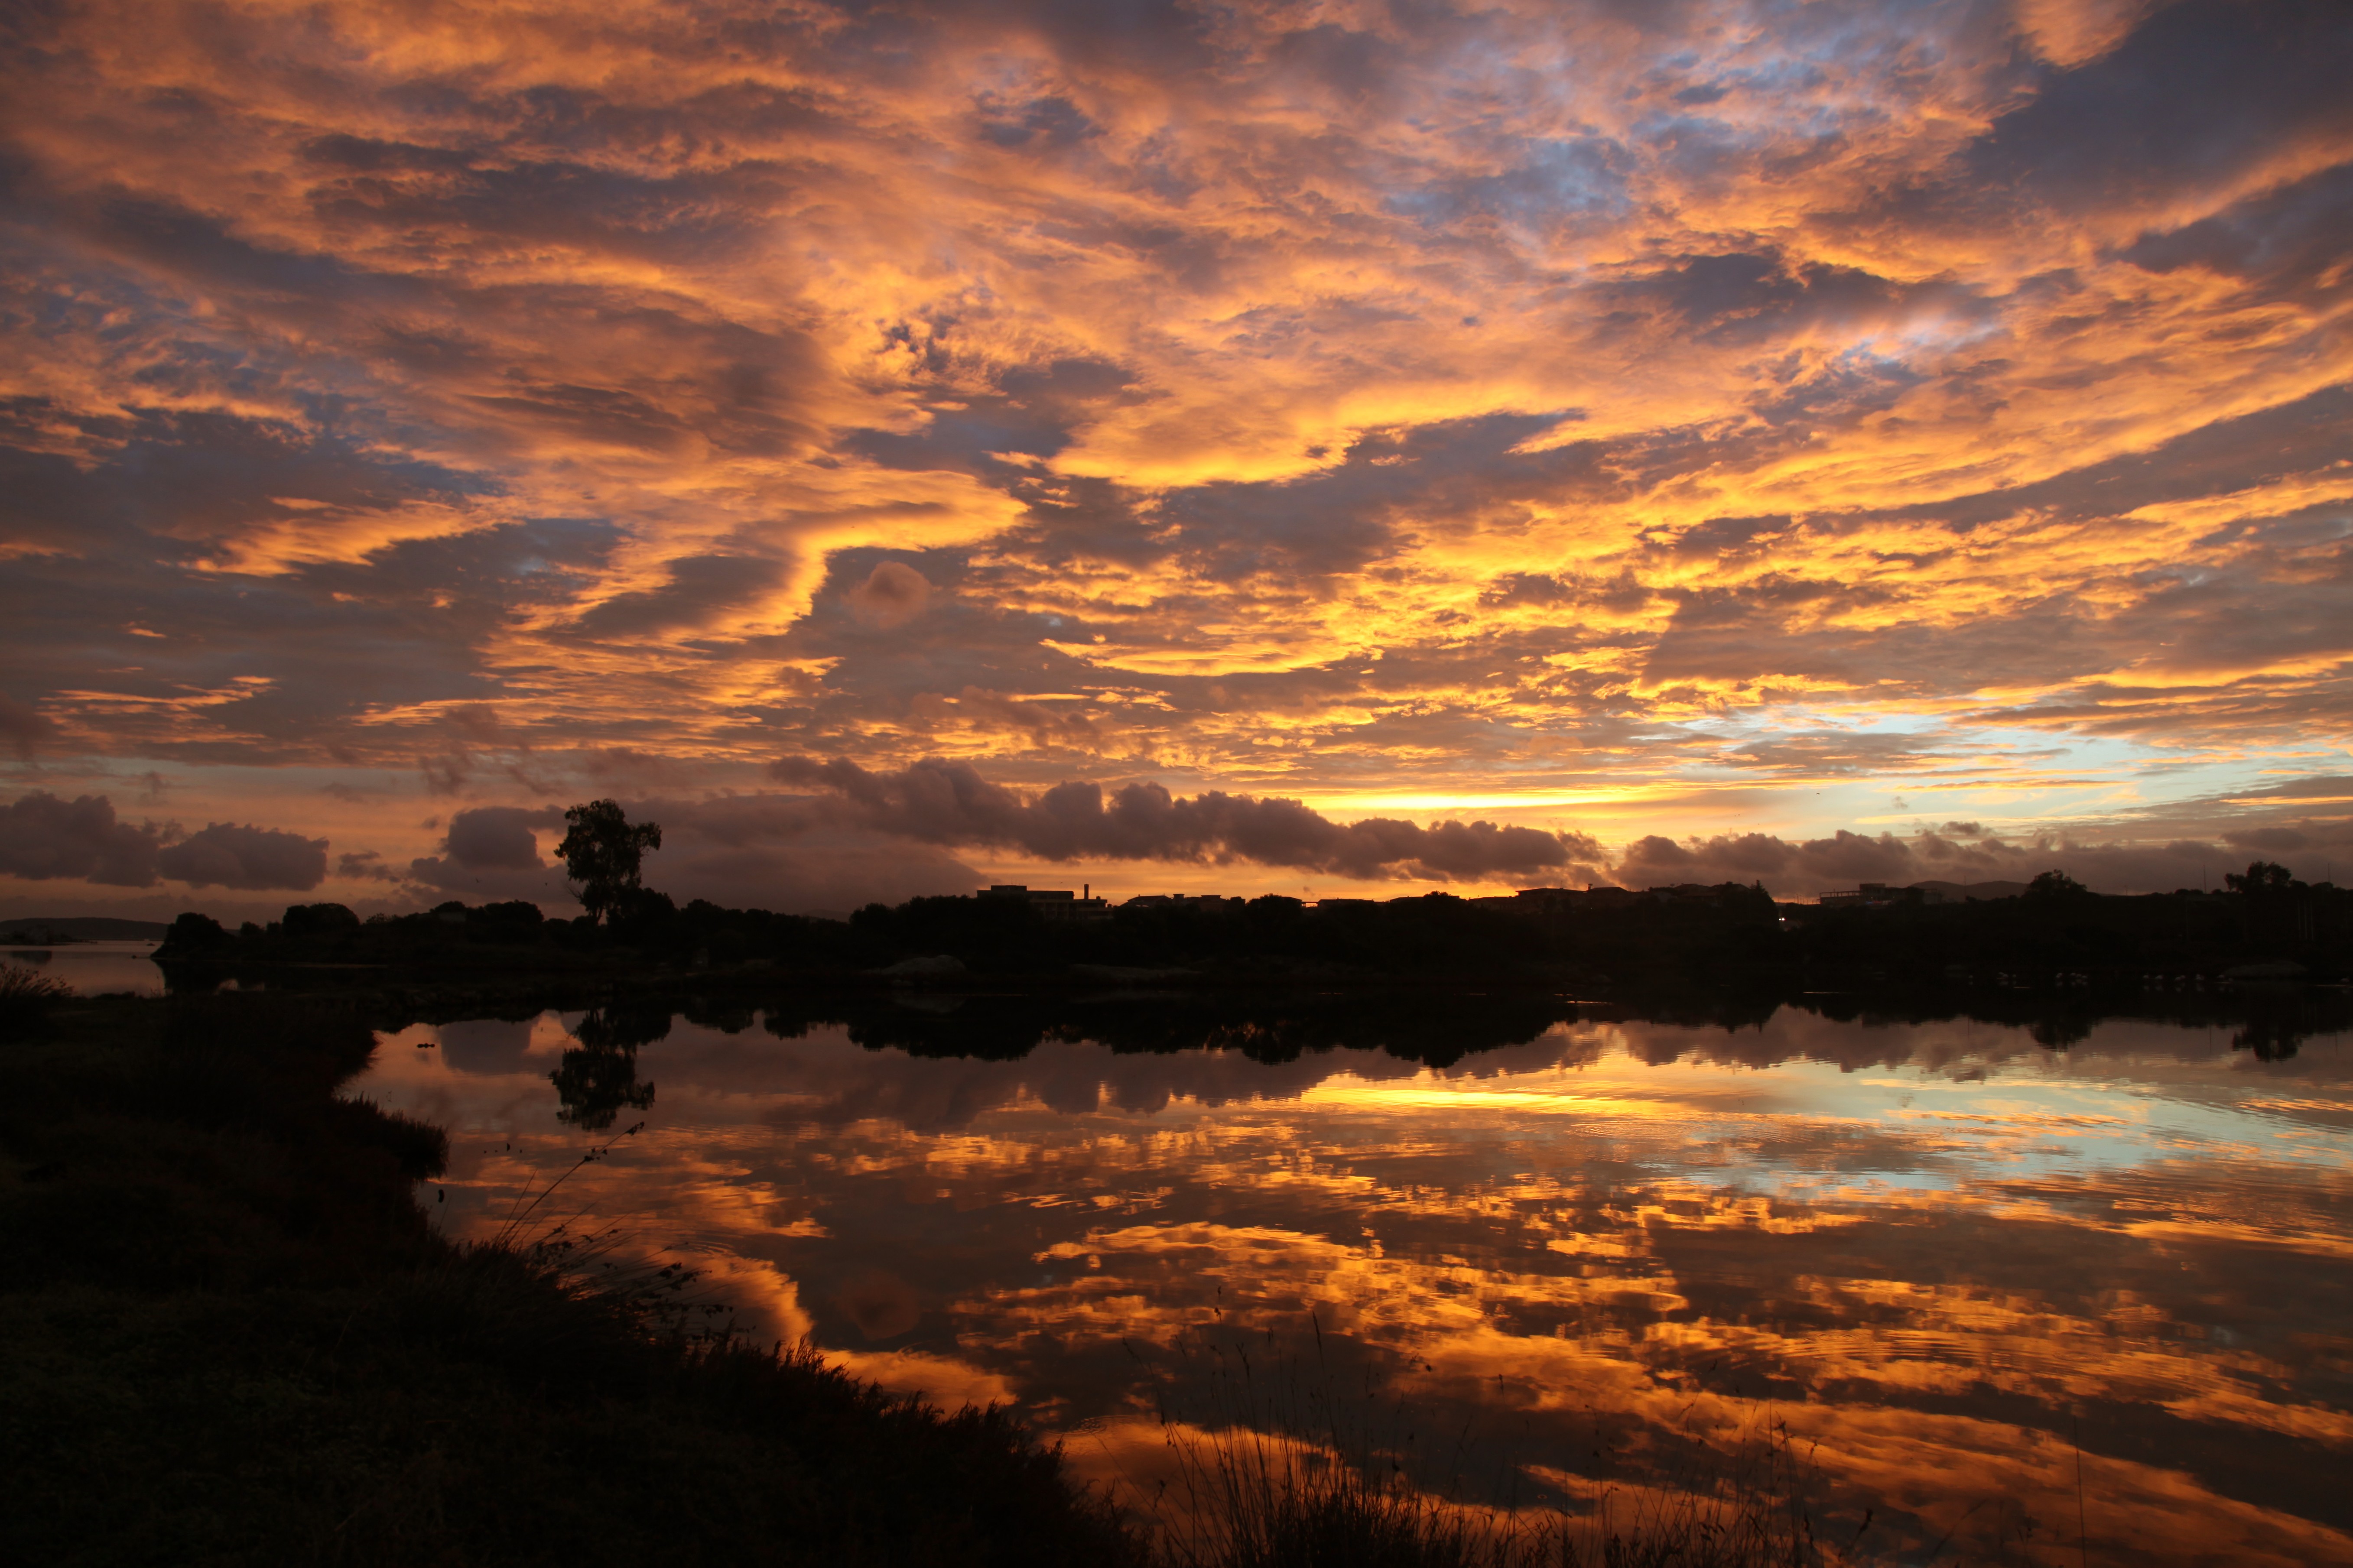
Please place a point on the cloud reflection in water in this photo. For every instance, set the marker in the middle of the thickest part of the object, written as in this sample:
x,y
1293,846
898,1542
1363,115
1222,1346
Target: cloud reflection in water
x,y
1938,1250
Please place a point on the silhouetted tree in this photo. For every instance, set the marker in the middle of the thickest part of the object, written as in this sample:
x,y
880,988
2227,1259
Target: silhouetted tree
x,y
2052,887
2262,877
603,851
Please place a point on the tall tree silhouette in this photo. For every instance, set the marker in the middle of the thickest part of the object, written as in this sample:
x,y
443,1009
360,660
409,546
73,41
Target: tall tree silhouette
x,y
603,852
2262,877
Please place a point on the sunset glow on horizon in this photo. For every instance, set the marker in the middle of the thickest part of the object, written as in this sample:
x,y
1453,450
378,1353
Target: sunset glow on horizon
x,y
1798,443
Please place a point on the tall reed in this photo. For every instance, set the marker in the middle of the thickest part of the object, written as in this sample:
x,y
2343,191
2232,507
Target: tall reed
x,y
1279,1461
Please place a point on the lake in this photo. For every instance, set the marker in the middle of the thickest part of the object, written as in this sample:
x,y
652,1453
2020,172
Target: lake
x,y
94,968
2004,1292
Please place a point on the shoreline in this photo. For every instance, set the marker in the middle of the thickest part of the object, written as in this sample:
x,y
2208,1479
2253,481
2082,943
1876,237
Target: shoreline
x,y
234,1337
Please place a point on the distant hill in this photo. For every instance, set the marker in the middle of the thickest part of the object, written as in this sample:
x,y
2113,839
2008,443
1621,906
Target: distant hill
x,y
84,927
1964,893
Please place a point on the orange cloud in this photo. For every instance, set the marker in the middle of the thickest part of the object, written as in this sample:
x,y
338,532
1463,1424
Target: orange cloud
x,y
1432,404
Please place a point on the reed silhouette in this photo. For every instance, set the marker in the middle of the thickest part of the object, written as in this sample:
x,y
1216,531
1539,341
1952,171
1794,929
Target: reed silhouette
x,y
1280,1458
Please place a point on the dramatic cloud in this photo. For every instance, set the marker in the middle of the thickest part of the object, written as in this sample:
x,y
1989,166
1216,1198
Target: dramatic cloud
x,y
945,803
1845,858
226,856
489,853
892,594
949,803
1736,415
496,838
43,838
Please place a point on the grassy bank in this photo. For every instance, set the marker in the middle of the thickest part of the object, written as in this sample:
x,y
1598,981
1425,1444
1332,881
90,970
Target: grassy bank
x,y
233,1337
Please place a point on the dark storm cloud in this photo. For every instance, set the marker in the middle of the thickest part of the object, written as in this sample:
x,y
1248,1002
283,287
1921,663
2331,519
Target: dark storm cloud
x,y
949,803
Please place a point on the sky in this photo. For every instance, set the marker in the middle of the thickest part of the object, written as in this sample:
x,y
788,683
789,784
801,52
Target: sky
x,y
1347,449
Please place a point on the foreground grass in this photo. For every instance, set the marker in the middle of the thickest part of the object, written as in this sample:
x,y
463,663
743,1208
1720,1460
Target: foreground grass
x,y
1248,1500
232,1338
1280,1461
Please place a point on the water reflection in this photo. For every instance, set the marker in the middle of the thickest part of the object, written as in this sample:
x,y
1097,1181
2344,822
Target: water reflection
x,y
94,968
597,1077
1944,1249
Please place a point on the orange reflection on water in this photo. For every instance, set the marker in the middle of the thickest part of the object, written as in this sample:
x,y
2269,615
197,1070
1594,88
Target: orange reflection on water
x,y
1940,1254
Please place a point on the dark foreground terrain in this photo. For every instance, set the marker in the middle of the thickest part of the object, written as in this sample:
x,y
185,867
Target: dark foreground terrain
x,y
232,1337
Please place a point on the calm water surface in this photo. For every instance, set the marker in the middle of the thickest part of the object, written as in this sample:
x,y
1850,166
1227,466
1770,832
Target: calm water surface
x,y
94,968
1957,1263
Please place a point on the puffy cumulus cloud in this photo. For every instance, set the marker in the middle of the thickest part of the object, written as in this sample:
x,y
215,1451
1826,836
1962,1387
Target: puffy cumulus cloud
x,y
949,803
1281,396
1802,868
892,594
42,836
943,802
496,838
225,855
486,852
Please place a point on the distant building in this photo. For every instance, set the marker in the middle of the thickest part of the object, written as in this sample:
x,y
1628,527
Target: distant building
x,y
1559,900
1552,900
1058,905
1700,892
1172,900
1879,896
